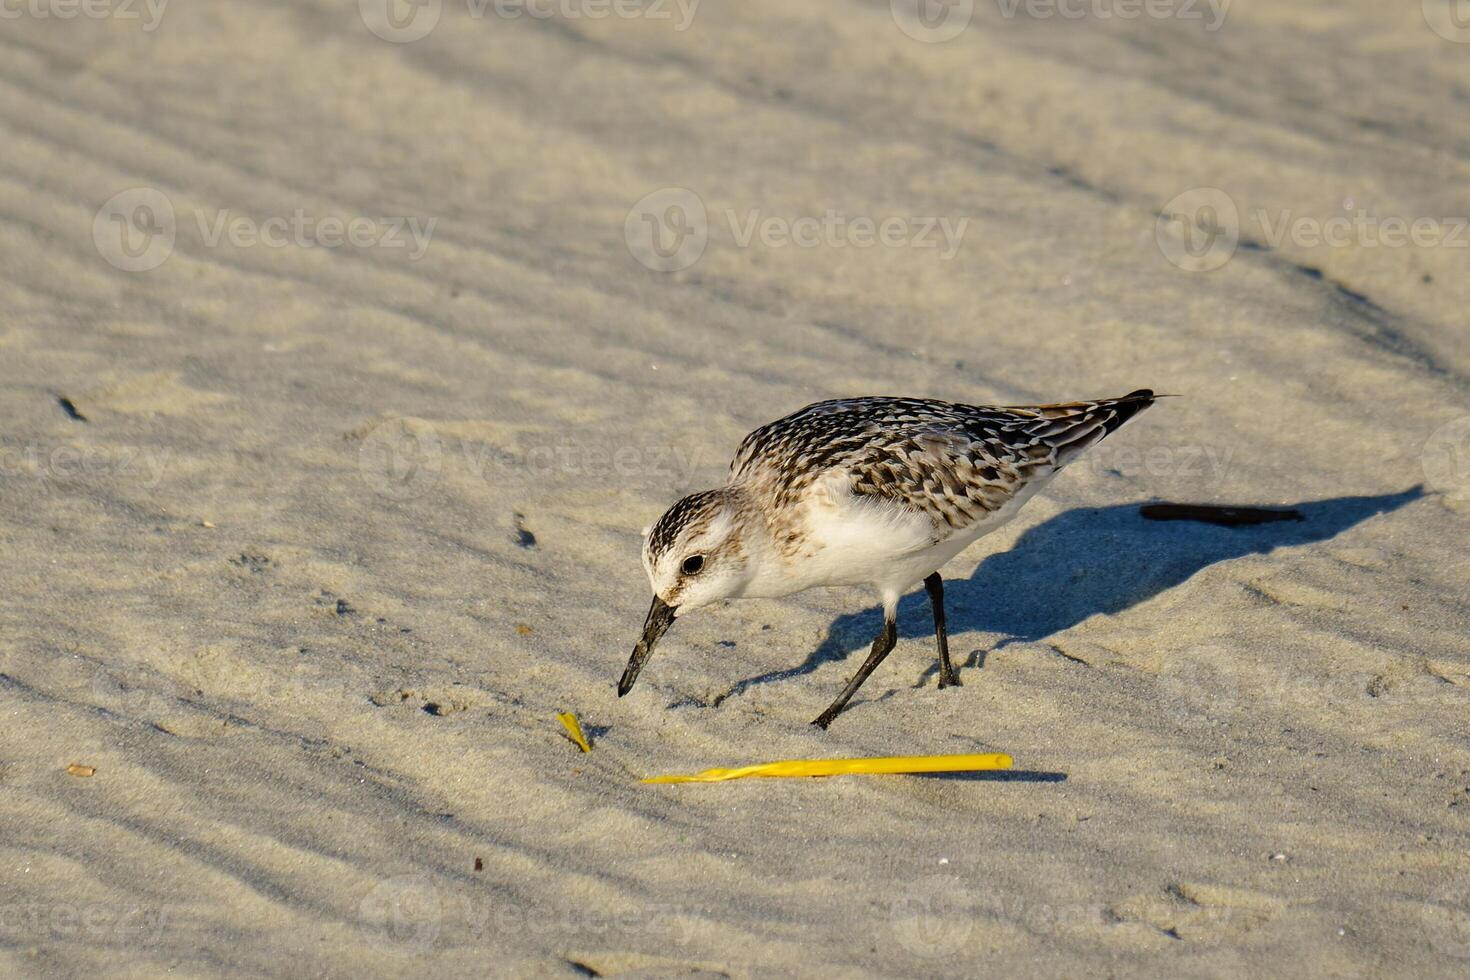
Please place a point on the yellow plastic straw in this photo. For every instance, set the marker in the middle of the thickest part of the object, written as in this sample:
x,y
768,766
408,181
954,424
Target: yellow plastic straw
x,y
842,767
569,721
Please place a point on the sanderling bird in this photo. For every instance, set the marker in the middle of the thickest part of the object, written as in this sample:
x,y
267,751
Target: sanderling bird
x,y
880,492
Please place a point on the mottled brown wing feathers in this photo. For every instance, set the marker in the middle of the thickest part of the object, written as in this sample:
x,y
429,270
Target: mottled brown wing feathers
x,y
954,463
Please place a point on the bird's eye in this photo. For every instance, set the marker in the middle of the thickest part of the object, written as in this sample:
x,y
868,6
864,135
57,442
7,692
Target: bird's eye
x,y
693,564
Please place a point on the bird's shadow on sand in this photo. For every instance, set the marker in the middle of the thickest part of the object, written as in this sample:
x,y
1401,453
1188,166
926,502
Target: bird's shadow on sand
x,y
1078,563
996,776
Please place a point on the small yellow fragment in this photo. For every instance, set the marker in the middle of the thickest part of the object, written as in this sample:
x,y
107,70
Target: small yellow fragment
x,y
77,769
842,767
569,721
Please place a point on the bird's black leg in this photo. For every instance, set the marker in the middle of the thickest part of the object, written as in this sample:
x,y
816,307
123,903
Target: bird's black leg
x,y
882,646
948,676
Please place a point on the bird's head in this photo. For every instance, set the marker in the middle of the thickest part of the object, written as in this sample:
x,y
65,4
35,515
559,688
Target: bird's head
x,y
695,555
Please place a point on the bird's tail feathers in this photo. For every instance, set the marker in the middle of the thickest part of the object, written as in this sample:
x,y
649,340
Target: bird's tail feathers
x,y
1072,428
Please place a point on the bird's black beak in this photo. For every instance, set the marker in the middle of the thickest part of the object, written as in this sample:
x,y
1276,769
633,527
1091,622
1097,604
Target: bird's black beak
x,y
660,618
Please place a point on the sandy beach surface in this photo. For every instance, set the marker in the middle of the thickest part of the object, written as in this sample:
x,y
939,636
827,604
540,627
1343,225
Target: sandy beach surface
x,y
346,348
